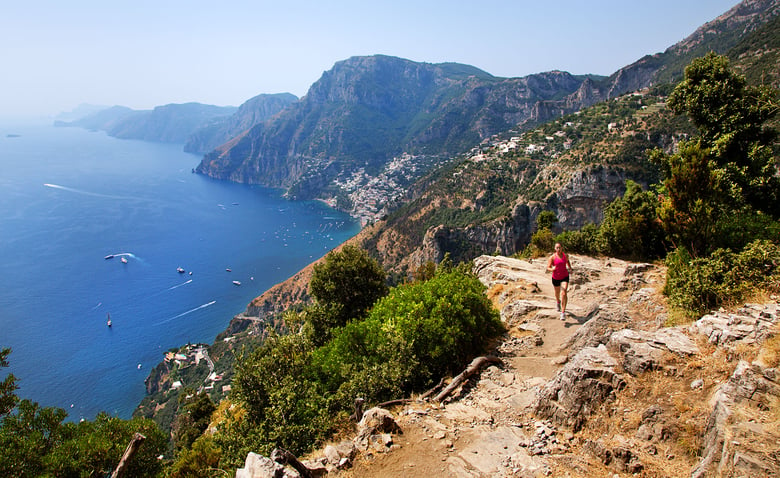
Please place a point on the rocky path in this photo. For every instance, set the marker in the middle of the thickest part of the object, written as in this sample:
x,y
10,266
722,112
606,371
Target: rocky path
x,y
488,430
612,391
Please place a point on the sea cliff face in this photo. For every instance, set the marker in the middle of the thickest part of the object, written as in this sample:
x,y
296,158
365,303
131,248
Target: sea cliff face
x,y
252,112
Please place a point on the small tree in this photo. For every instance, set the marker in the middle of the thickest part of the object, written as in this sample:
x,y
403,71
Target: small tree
x,y
729,171
732,117
346,284
693,199
193,418
543,240
546,220
630,228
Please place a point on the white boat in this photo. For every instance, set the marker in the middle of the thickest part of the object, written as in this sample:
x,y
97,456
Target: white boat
x,y
235,282
124,261
108,322
180,270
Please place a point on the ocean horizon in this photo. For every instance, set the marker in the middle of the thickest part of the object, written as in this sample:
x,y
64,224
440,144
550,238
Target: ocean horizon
x,y
92,225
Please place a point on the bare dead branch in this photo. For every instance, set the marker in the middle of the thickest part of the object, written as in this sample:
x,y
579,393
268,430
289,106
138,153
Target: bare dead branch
x,y
132,447
473,368
284,457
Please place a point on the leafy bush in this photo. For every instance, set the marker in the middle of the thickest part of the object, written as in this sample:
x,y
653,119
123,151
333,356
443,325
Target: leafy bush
x,y
542,241
737,230
630,229
364,360
199,461
446,321
194,416
284,406
546,220
418,333
583,241
35,441
697,285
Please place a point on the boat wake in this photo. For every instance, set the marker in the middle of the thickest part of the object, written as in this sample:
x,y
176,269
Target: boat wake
x,y
188,312
179,285
126,254
87,193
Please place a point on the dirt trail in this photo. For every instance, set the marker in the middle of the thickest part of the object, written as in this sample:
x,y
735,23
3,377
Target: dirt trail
x,y
480,431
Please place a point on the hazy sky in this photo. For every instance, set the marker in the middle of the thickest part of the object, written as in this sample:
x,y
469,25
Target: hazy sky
x,y
56,54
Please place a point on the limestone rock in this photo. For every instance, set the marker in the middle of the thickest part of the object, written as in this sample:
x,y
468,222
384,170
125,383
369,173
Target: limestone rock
x,y
374,430
750,324
579,388
258,466
642,351
620,458
340,455
736,443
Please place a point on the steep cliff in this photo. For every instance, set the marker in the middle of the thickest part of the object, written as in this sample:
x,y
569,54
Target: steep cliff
x,y
254,111
172,123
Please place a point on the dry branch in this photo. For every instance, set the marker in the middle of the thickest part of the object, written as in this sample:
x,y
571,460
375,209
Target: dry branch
x,y
284,457
132,447
473,368
400,401
430,392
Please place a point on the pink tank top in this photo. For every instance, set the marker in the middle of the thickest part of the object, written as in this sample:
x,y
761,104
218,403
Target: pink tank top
x,y
560,271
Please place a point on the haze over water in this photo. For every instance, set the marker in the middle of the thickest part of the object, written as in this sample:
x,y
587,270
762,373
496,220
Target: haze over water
x,y
68,198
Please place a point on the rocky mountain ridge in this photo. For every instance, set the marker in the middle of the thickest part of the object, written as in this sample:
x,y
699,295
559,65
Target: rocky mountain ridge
x,y
367,111
200,128
253,111
172,123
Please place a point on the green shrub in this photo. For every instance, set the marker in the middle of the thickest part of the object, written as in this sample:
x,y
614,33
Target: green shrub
x,y
446,321
199,461
542,243
696,285
630,228
415,335
583,241
737,230
285,406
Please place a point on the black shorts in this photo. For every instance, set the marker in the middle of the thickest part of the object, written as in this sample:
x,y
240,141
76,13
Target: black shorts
x,y
557,283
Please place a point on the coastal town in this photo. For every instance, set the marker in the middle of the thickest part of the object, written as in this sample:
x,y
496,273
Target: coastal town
x,y
189,357
372,197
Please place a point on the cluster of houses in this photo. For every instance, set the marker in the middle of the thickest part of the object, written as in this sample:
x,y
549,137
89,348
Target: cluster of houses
x,y
192,355
372,195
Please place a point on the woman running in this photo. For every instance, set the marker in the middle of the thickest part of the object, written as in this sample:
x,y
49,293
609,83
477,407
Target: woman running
x,y
560,267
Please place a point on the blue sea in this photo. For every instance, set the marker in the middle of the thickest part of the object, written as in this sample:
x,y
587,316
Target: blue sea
x,y
68,198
